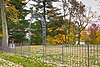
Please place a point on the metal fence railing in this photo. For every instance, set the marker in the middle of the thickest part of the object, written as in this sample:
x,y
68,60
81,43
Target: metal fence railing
x,y
69,56
74,55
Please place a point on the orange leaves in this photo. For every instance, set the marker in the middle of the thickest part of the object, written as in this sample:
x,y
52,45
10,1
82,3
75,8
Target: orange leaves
x,y
50,40
60,38
61,28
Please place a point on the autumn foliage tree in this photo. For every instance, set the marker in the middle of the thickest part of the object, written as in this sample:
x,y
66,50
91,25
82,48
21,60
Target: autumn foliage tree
x,y
94,33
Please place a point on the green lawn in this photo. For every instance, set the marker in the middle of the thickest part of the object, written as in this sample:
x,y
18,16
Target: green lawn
x,y
23,61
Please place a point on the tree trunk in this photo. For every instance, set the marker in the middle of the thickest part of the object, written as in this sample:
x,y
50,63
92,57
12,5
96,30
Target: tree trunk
x,y
4,27
79,36
69,23
64,11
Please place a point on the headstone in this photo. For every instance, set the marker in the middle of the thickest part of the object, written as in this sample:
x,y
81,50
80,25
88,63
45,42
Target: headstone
x,y
12,45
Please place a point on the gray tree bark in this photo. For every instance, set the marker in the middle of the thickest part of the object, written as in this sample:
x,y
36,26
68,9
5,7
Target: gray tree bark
x,y
79,36
4,27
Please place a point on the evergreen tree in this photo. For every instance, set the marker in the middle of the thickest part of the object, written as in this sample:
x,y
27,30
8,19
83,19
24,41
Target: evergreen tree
x,y
16,17
43,7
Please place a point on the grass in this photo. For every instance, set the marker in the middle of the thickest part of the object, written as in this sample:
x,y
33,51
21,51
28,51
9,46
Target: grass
x,y
24,61
72,56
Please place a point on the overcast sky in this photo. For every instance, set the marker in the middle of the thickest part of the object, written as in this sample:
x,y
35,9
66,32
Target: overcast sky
x,y
95,6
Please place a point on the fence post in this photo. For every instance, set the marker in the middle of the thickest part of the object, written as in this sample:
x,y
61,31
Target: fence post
x,y
88,54
43,53
97,53
62,53
21,48
29,42
15,48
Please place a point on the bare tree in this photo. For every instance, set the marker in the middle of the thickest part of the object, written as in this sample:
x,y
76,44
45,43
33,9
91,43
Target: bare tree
x,y
68,11
65,13
82,19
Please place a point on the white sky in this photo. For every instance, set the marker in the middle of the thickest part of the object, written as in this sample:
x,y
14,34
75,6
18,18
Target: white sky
x,y
95,6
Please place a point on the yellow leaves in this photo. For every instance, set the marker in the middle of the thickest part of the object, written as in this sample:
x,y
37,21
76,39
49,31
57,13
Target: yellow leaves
x,y
6,1
98,33
85,37
0,35
50,40
60,28
72,37
94,38
49,29
13,13
60,38
98,37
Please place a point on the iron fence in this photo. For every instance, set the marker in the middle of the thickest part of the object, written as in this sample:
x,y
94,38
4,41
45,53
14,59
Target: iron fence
x,y
62,55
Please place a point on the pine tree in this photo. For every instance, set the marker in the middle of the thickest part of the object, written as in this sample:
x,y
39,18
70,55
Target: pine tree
x,y
45,8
